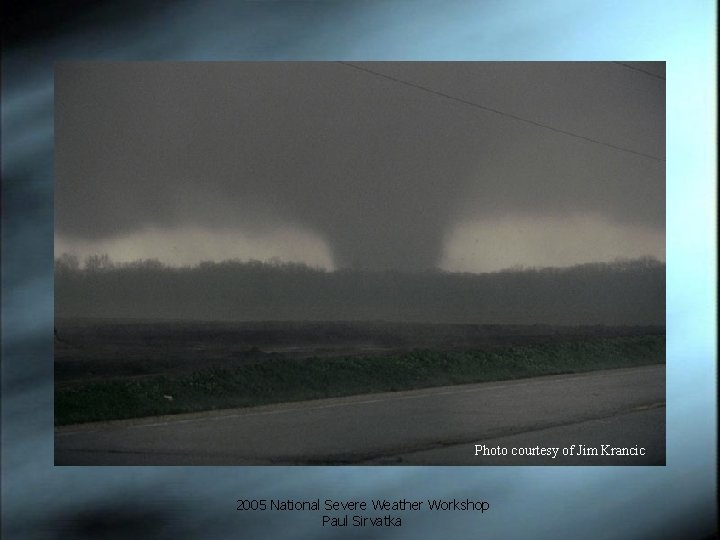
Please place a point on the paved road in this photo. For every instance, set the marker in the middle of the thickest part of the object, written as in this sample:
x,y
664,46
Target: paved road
x,y
438,426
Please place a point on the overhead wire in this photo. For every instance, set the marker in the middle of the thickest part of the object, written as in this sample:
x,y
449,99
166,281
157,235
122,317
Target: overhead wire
x,y
640,70
499,112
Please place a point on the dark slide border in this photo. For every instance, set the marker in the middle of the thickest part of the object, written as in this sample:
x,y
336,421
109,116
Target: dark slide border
x,y
43,501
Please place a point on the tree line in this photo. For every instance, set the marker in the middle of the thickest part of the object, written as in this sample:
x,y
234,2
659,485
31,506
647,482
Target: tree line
x,y
619,292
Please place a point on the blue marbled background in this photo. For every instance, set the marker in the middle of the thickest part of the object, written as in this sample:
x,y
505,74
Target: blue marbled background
x,y
676,501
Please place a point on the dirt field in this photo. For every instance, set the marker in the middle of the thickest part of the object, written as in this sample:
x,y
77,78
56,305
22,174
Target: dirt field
x,y
87,349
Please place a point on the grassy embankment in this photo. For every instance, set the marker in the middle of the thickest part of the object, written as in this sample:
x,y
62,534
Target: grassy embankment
x,y
277,380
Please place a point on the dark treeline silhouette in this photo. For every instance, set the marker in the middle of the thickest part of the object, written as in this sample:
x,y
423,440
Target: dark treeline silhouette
x,y
630,292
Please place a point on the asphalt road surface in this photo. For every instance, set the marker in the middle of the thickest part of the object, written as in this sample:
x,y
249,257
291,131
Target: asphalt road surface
x,y
534,421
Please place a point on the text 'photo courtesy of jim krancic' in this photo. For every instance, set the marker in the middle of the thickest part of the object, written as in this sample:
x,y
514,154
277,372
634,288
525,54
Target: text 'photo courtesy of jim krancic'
x,y
363,513
574,450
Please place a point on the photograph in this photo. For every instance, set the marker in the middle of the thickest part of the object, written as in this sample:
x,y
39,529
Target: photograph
x,y
359,263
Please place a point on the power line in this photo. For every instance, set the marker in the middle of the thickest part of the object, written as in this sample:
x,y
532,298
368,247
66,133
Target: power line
x,y
650,73
499,112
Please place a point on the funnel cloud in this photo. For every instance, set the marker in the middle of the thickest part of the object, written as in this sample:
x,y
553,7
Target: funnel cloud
x,y
382,166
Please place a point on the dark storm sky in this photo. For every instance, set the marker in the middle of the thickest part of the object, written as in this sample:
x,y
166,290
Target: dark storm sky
x,y
338,167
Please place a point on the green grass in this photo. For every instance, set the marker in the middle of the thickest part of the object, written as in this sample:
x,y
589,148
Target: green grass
x,y
275,380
